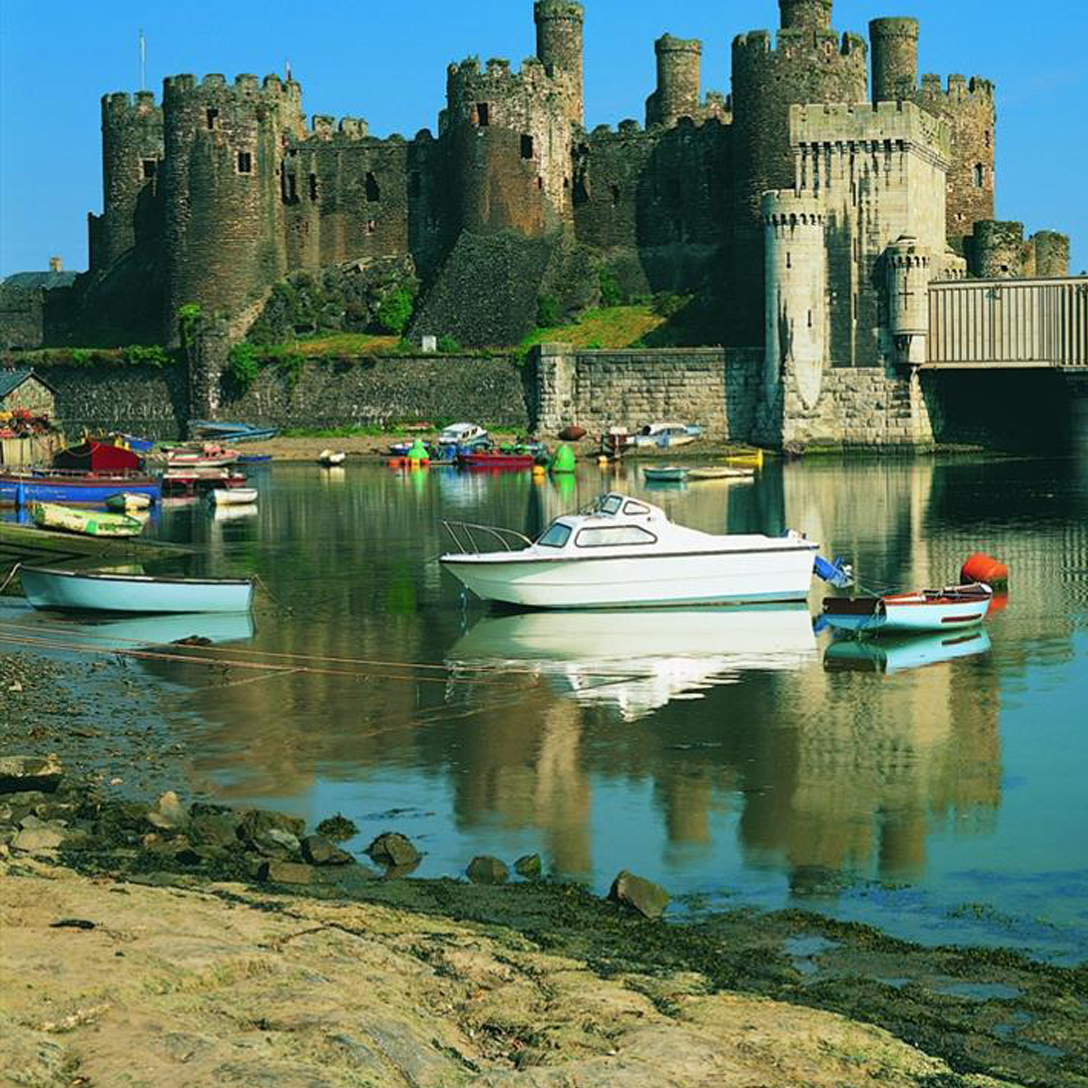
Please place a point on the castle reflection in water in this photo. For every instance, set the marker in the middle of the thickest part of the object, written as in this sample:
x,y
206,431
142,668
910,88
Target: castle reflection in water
x,y
831,761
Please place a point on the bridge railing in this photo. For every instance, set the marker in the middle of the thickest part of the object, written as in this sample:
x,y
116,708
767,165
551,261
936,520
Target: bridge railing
x,y
1009,323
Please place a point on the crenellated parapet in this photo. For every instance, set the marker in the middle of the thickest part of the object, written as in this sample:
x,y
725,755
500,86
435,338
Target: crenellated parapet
x,y
908,267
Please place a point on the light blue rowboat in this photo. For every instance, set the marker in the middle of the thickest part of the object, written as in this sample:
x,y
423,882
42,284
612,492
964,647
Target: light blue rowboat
x,y
94,591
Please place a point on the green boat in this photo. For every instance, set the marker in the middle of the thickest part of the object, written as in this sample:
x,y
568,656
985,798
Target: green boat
x,y
666,474
48,515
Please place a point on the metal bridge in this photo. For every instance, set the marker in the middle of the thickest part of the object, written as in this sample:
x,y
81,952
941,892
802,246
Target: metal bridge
x,y
1009,324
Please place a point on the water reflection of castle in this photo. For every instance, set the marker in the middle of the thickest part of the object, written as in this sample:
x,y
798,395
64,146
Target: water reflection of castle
x,y
831,770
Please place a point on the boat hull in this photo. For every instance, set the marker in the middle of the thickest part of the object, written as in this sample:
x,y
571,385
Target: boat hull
x,y
238,496
911,614
85,522
728,577
90,490
498,460
93,592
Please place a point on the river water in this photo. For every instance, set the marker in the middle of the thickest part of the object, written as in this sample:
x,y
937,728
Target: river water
x,y
937,787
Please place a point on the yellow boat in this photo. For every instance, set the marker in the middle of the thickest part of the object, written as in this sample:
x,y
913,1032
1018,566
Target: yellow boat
x,y
48,515
748,458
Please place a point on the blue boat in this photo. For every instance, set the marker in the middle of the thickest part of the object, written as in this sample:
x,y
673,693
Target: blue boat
x,y
42,485
99,591
229,432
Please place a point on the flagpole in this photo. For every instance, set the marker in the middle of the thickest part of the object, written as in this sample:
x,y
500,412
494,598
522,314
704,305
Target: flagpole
x,y
143,61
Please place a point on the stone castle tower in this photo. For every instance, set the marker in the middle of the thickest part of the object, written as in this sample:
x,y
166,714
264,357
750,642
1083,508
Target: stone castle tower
x,y
803,199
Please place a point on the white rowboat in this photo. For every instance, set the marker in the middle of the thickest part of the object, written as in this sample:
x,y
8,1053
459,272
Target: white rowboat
x,y
625,553
93,591
946,609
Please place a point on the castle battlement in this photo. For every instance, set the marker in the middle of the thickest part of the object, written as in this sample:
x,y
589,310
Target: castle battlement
x,y
800,44
789,208
497,78
324,128
872,126
122,105
216,83
959,88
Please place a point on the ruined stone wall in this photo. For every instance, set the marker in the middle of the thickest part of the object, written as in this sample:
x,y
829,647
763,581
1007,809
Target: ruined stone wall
x,y
969,109
714,387
345,196
995,249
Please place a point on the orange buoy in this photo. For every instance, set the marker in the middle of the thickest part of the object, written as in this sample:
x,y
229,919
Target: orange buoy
x,y
985,569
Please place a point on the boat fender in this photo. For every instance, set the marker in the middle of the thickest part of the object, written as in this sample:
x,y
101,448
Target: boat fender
x,y
838,572
985,569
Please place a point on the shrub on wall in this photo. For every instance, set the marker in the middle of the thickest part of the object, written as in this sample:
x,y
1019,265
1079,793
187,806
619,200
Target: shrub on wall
x,y
547,312
612,291
243,366
395,311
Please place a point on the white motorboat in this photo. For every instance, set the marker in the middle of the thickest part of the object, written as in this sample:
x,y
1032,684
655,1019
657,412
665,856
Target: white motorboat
x,y
636,661
625,553
234,496
946,609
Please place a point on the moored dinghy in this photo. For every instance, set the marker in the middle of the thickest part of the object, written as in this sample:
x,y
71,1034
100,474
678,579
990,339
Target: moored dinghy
x,y
666,474
125,501
331,458
102,591
925,610
49,515
235,496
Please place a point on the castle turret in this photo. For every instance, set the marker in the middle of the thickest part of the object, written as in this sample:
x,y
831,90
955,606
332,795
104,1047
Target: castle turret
x,y
559,48
132,151
677,94
1047,254
909,269
508,136
809,64
968,106
805,14
225,185
895,58
795,253
995,250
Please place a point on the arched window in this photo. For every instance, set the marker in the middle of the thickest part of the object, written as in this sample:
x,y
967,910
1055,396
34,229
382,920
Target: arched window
x,y
980,175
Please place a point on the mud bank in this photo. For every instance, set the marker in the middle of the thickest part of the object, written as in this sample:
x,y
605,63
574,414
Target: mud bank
x,y
169,931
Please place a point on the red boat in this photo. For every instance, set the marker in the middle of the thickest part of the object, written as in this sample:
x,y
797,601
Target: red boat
x,y
498,460
183,482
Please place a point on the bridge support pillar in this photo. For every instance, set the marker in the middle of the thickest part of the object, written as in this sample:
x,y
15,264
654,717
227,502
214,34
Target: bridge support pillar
x,y
1078,412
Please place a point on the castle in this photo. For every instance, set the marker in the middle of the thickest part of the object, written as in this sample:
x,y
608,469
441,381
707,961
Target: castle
x,y
815,211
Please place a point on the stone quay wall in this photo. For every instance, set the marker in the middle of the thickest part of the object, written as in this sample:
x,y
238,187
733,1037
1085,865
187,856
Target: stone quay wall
x,y
714,387
103,395
378,391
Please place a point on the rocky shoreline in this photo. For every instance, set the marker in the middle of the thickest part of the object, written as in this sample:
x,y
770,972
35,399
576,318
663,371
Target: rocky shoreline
x,y
529,982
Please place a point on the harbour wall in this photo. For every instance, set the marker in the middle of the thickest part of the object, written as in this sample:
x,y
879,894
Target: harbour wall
x,y
724,390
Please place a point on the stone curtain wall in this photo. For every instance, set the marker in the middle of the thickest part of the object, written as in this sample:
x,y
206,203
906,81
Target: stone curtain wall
x,y
143,400
714,387
379,391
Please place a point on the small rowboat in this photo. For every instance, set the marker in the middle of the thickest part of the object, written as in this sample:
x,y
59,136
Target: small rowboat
x,y
498,459
721,472
88,591
328,458
236,496
666,474
125,501
925,610
49,515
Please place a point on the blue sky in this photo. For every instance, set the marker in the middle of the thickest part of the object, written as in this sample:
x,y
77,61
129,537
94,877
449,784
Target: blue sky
x,y
387,63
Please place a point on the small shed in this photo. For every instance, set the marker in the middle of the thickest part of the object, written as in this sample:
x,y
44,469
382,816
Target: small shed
x,y
23,392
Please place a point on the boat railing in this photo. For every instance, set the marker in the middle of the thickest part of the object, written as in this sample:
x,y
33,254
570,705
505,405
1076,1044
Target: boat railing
x,y
463,534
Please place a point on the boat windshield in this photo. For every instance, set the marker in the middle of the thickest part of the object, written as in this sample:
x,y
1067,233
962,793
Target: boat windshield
x,y
609,504
555,536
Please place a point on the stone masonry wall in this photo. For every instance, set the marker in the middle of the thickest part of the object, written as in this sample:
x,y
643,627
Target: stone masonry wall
x,y
377,391
134,398
858,407
714,387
